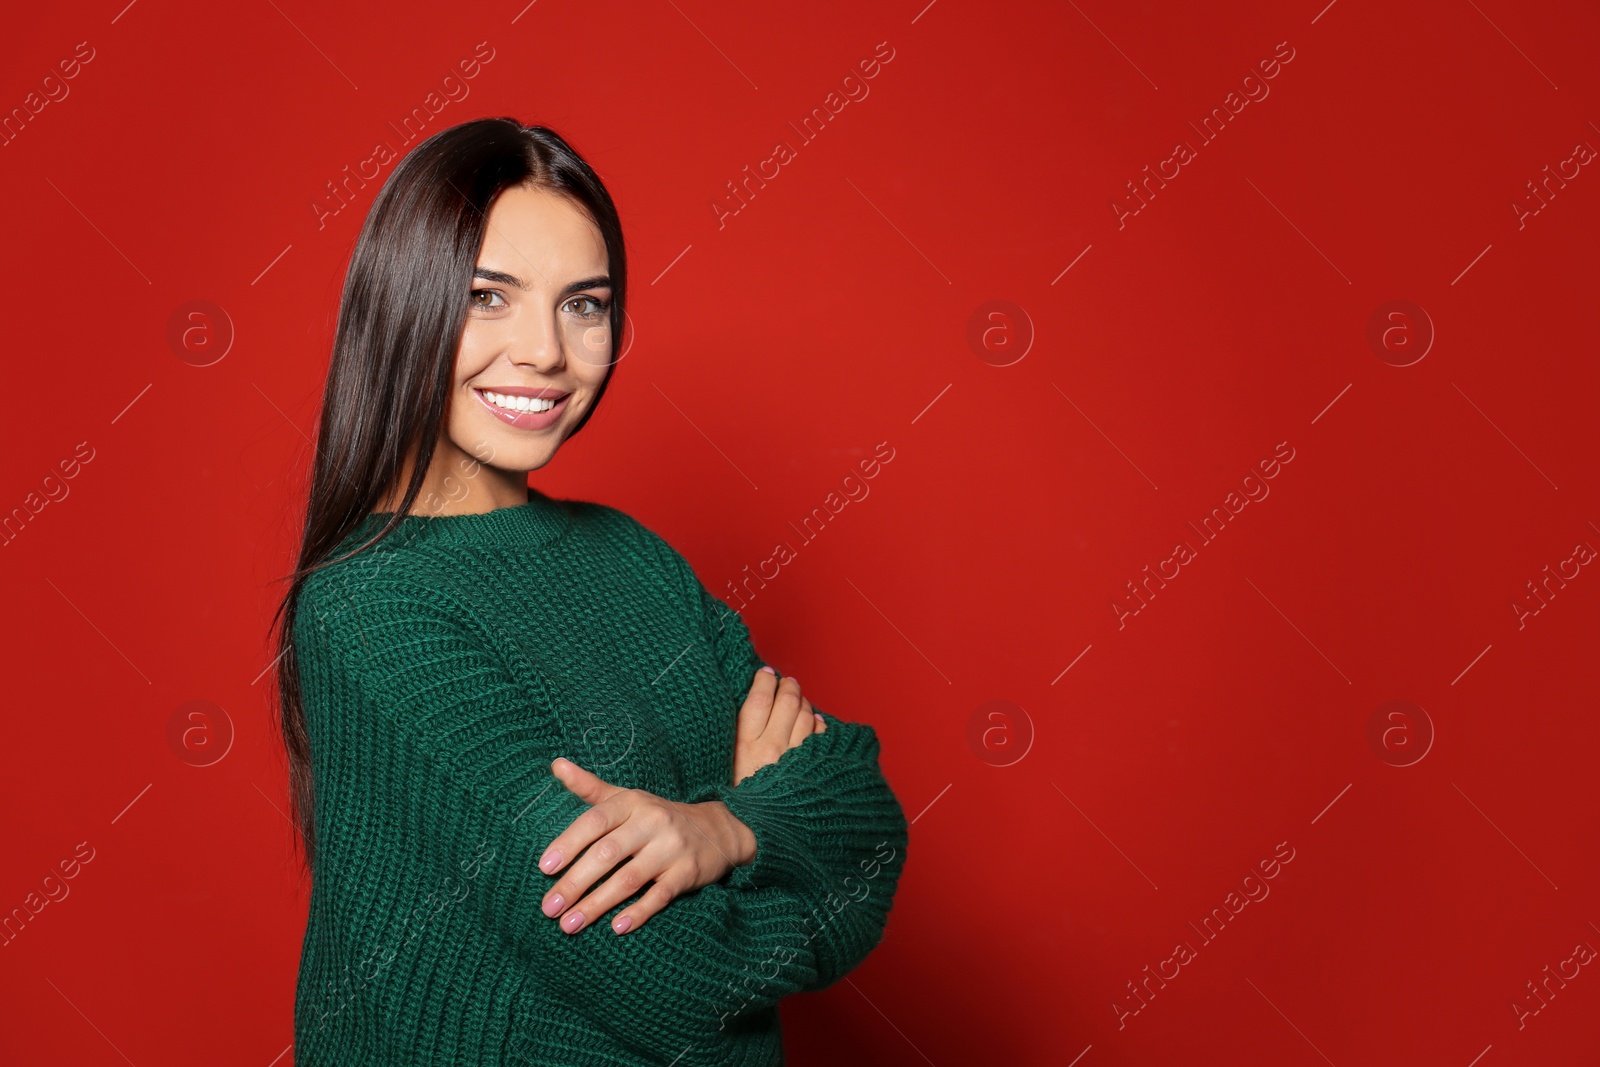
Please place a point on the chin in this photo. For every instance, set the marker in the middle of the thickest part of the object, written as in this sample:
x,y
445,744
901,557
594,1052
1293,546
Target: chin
x,y
532,459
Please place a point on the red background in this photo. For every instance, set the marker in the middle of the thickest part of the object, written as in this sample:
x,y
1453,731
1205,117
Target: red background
x,y
773,353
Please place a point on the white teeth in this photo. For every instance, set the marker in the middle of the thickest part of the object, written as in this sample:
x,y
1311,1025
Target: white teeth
x,y
518,403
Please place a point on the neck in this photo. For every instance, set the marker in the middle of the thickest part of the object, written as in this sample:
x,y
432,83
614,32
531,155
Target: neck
x,y
457,484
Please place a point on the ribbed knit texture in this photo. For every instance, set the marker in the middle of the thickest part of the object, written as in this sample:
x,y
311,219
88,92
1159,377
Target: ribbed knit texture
x,y
442,670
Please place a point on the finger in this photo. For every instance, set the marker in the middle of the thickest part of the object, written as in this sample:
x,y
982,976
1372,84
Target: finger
x,y
757,705
586,784
621,886
636,914
777,739
805,723
597,860
819,724
593,824
785,708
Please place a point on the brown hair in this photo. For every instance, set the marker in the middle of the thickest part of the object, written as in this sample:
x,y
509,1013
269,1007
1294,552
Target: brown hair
x,y
401,316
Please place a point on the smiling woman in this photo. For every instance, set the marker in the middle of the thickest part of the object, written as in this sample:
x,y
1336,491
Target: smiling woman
x,y
511,719
535,344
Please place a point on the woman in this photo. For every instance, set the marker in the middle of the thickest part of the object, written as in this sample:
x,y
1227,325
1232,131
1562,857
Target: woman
x,y
555,808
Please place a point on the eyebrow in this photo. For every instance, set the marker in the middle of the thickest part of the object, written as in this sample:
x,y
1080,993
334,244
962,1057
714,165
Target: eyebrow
x,y
599,281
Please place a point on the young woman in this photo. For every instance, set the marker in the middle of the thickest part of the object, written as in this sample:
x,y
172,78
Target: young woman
x,y
555,808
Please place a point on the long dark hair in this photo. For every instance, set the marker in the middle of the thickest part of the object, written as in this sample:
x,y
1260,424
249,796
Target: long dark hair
x,y
394,351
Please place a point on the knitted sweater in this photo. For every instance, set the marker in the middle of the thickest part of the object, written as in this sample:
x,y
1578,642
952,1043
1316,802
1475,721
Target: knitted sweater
x,y
441,672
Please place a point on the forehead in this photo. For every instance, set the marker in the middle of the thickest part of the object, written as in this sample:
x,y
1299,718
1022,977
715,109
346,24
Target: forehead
x,y
546,230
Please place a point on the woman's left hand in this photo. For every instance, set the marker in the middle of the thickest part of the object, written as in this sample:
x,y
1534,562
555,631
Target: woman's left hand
x,y
679,847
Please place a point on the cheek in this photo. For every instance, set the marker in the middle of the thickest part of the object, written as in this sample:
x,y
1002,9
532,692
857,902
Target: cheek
x,y
592,347
473,357
476,351
468,425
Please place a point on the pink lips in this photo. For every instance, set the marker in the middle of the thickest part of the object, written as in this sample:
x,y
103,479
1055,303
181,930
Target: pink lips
x,y
525,420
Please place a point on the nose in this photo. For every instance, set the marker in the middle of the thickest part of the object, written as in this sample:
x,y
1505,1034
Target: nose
x,y
536,341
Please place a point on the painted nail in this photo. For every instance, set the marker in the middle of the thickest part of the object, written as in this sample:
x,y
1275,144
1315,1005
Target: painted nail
x,y
553,906
551,861
623,925
769,670
572,922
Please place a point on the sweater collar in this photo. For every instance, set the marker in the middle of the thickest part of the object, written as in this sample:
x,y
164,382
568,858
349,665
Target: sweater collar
x,y
539,522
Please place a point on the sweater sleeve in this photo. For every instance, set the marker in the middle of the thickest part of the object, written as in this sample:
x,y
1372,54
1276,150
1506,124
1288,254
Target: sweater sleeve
x,y
826,822
467,761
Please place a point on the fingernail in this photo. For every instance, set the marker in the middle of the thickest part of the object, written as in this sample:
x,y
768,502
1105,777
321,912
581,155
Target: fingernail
x,y
769,670
814,715
623,925
572,922
553,906
551,861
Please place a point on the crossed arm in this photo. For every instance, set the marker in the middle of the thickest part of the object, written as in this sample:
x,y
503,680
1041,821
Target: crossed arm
x,y
827,825
489,804
677,847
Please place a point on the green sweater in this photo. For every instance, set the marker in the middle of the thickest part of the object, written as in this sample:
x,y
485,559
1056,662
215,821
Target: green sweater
x,y
441,671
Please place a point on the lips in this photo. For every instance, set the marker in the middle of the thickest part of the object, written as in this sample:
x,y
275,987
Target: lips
x,y
524,420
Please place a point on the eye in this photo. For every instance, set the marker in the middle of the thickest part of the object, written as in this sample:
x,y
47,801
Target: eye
x,y
595,309
475,300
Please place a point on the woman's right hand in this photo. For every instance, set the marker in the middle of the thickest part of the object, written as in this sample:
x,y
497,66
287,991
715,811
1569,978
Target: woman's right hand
x,y
774,719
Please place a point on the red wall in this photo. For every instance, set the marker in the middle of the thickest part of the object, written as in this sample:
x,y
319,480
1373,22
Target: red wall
x,y
1151,355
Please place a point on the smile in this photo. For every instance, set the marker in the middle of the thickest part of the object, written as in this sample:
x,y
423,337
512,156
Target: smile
x,y
523,412
518,403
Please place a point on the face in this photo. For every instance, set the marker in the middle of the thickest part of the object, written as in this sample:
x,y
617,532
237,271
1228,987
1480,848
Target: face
x,y
536,343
